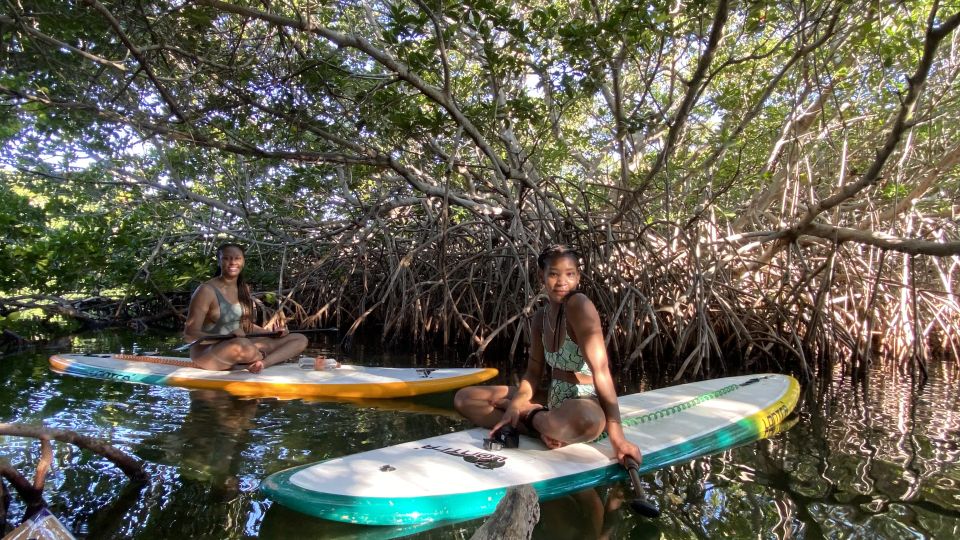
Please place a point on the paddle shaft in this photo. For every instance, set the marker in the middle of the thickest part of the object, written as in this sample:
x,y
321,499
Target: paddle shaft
x,y
274,333
640,504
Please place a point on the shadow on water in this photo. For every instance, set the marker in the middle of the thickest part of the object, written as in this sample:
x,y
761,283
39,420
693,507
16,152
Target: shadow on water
x,y
878,458
593,513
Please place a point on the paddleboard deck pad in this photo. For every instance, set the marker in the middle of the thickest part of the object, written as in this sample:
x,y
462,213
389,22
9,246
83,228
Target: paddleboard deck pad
x,y
282,380
451,477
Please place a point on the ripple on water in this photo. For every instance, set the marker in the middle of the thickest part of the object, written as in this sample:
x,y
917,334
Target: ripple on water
x,y
873,462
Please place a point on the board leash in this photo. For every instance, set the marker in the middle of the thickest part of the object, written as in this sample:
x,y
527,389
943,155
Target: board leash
x,y
155,360
680,407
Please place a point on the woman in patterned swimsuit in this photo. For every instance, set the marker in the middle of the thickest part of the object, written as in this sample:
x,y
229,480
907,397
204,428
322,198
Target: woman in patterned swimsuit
x,y
567,336
222,306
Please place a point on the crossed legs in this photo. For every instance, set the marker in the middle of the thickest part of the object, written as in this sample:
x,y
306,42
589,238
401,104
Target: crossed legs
x,y
253,353
574,421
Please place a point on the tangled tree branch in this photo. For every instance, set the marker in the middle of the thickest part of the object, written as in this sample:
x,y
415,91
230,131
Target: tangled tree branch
x,y
32,493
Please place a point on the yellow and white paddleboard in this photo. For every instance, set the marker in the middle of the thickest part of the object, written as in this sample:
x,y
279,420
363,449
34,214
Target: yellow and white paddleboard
x,y
283,380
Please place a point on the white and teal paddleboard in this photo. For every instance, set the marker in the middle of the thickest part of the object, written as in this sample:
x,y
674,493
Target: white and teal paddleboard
x,y
451,477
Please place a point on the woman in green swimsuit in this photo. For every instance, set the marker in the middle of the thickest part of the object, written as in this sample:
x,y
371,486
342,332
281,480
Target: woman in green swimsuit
x,y
223,306
567,336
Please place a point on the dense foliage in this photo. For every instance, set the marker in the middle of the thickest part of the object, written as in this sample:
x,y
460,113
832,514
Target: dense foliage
x,y
748,181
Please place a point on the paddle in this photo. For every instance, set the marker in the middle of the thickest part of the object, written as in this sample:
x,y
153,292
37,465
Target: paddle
x,y
274,333
641,505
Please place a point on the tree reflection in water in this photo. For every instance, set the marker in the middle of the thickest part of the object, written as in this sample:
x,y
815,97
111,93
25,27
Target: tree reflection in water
x,y
877,457
207,451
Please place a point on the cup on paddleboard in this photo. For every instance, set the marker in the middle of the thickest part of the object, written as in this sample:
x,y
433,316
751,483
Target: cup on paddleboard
x,y
318,363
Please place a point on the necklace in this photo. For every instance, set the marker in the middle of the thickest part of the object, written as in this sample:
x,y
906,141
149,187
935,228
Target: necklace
x,y
553,329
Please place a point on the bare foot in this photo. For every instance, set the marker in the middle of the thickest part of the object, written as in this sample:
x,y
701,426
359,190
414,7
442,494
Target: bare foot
x,y
255,367
552,443
526,421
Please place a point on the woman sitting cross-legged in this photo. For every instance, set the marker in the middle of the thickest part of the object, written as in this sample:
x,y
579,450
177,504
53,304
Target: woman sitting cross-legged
x,y
223,306
567,336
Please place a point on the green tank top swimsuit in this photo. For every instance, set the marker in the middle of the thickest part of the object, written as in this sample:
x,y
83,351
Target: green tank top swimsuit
x,y
230,315
567,358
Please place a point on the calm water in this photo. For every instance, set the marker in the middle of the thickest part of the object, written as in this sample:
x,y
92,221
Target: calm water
x,y
863,461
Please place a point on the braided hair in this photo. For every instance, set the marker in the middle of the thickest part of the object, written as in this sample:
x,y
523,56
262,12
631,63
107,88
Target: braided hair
x,y
555,251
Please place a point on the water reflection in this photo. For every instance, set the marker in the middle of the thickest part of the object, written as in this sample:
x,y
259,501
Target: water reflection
x,y
209,443
881,452
281,523
594,513
863,461
874,458
197,488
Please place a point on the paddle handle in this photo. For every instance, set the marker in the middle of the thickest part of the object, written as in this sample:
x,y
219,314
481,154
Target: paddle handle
x,y
223,337
641,505
272,333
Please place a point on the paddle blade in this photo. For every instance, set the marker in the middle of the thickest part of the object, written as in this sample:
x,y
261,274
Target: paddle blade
x,y
645,508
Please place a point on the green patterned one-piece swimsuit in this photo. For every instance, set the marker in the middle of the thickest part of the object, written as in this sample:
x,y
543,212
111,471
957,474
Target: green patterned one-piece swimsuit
x,y
567,358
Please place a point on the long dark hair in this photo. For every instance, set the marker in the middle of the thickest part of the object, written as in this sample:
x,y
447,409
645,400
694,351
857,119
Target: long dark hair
x,y
550,253
243,290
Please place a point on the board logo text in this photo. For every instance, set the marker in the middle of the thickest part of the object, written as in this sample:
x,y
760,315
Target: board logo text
x,y
482,460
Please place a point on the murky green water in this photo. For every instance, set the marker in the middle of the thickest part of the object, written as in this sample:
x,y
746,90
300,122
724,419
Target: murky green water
x,y
862,461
